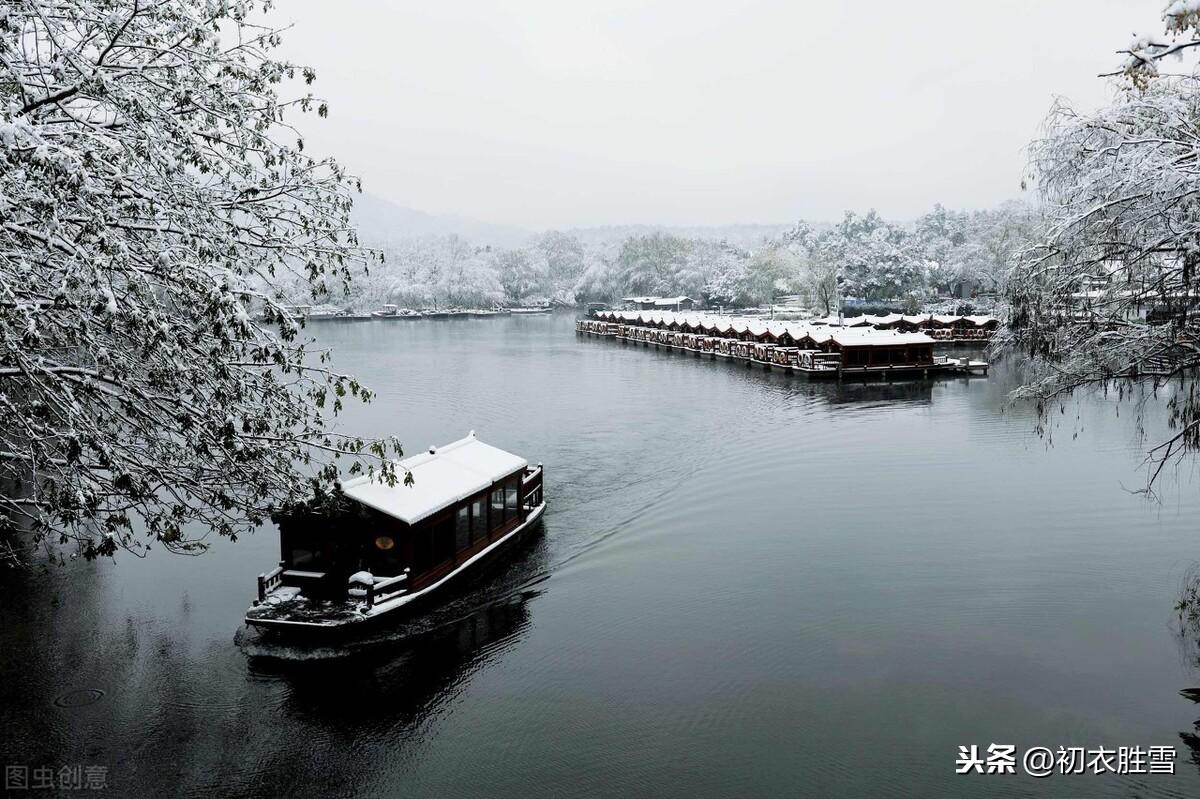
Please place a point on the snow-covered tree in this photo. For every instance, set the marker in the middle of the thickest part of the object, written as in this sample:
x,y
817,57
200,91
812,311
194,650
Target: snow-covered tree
x,y
1109,296
875,259
467,276
819,279
771,270
942,237
601,278
724,268
150,192
562,262
973,249
653,264
516,273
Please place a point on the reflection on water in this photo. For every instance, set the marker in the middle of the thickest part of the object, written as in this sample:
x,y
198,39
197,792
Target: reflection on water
x,y
373,701
748,584
396,687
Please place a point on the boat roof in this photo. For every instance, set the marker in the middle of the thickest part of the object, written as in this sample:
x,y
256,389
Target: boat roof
x,y
879,339
818,329
442,477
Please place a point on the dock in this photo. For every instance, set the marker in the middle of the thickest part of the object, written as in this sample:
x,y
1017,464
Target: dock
x,y
816,351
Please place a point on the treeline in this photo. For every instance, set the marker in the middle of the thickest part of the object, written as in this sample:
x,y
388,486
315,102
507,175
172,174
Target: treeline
x,y
861,257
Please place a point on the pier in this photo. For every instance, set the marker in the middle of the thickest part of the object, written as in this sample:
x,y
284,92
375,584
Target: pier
x,y
815,350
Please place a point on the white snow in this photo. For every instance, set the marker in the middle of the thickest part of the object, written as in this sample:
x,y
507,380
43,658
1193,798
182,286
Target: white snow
x,y
110,302
440,479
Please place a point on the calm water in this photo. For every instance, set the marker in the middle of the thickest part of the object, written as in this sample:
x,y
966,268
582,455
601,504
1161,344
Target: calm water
x,y
747,585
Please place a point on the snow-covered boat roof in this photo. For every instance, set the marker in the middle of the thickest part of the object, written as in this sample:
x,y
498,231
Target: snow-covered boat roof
x,y
441,477
757,326
879,338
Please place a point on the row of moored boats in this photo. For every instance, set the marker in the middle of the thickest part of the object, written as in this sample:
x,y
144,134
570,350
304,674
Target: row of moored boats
x,y
331,313
819,350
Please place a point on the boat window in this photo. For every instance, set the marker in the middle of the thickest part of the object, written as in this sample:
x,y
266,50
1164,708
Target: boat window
x,y
497,507
462,528
511,500
479,520
303,557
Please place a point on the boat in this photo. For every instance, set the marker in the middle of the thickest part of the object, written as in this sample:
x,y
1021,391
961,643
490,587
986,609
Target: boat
x,y
323,313
394,312
370,551
534,309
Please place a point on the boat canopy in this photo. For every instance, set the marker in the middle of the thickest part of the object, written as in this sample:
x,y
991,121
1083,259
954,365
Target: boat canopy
x,y
441,477
758,326
881,339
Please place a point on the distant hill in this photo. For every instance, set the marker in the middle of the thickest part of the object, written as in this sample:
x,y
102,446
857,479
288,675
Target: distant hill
x,y
747,236
381,222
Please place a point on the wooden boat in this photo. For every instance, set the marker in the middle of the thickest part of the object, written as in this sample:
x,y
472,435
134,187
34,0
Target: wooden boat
x,y
394,312
537,309
371,551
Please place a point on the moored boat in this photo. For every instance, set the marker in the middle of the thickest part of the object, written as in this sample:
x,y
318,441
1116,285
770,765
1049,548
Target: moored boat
x,y
395,312
373,551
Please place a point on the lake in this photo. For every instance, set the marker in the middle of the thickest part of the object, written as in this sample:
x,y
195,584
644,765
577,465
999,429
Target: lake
x,y
747,584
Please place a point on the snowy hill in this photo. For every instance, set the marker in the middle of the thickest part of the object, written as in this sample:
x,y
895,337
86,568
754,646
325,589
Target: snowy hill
x,y
382,222
748,236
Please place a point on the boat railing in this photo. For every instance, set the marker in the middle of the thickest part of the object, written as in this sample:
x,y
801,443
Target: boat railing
x,y
379,590
385,589
269,582
531,486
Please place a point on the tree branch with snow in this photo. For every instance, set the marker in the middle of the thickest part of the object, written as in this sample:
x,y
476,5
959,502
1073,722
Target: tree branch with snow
x,y
153,389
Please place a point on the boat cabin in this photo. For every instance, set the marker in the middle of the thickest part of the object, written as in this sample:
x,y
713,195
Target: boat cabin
x,y
899,349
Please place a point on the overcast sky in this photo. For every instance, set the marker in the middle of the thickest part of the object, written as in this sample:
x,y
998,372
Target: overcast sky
x,y
561,113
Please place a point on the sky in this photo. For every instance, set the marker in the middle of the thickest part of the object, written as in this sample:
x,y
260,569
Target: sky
x,y
572,113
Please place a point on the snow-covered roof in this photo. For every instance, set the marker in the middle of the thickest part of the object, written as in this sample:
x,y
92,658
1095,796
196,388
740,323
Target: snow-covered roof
x,y
441,477
757,325
879,338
